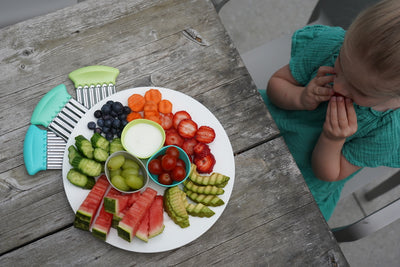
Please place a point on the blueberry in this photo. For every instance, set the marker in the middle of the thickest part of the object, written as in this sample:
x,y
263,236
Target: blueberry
x,y
127,110
108,123
108,117
110,102
118,107
100,122
98,114
98,130
106,129
124,123
113,114
109,136
119,133
106,109
116,123
114,130
91,125
122,116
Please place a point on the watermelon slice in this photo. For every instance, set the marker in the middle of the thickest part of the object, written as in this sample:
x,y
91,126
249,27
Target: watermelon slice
x,y
156,217
102,224
143,230
115,201
88,209
129,224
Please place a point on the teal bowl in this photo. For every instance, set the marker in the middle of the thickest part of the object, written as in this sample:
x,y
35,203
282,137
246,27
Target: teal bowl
x,y
182,155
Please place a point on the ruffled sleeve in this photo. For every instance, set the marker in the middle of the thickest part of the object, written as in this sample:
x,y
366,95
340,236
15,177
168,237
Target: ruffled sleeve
x,y
314,46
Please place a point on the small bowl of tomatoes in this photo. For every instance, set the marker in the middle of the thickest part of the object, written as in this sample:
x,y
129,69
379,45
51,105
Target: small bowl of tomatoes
x,y
169,166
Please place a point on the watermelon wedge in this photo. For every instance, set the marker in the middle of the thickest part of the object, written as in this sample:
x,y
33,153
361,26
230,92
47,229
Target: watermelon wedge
x,y
156,217
143,230
88,209
102,224
115,201
129,224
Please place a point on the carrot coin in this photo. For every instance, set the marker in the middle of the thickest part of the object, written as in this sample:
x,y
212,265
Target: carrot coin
x,y
133,116
136,102
153,95
165,106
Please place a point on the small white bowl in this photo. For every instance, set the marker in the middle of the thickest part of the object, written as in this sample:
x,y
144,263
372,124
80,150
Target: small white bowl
x,y
142,138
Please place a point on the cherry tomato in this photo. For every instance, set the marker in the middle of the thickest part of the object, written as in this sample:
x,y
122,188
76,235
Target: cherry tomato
x,y
155,166
173,151
178,173
165,178
168,162
180,162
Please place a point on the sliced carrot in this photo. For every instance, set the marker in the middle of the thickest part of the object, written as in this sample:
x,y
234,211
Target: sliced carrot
x,y
133,116
136,102
150,113
165,106
150,106
155,118
153,95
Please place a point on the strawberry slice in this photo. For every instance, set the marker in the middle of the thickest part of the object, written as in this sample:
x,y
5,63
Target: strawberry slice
x,y
201,149
187,128
172,137
179,116
166,120
205,164
188,146
205,134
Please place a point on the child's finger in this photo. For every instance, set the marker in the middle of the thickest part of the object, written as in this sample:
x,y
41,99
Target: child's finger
x,y
342,113
333,113
324,70
351,113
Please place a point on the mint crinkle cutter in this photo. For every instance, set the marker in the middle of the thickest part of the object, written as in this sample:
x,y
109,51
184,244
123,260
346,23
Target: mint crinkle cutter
x,y
94,83
58,112
44,149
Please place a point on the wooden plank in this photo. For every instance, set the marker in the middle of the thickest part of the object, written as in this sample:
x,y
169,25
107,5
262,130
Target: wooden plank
x,y
270,219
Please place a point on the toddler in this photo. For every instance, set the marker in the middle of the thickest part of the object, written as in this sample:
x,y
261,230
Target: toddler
x,y
337,101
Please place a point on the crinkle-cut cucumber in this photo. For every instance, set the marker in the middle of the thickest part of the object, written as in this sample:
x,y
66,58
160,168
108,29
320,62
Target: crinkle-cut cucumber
x,y
84,146
116,145
87,166
203,189
208,200
79,179
72,153
215,178
99,141
100,154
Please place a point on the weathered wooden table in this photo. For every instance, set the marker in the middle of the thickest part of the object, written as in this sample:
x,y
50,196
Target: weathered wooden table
x,y
270,219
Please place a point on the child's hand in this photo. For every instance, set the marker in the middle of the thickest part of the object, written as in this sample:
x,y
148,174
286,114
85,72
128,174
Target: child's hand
x,y
319,89
341,119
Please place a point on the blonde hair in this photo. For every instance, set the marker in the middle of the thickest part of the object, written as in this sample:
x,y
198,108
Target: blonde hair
x,y
374,37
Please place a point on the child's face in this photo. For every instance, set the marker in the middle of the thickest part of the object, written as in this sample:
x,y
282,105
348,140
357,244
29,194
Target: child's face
x,y
353,80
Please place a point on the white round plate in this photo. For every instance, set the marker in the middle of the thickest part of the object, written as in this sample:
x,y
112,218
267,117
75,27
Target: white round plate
x,y
173,236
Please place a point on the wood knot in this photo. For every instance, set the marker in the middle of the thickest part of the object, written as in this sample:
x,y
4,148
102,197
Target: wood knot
x,y
27,52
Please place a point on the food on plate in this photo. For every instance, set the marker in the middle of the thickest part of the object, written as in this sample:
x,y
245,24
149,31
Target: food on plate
x,y
209,200
124,173
172,137
205,134
115,201
215,178
102,224
153,95
111,119
203,189
79,179
133,116
142,138
205,164
99,141
116,145
179,116
153,221
129,224
187,128
165,106
198,209
136,102
175,206
86,166
84,146
88,209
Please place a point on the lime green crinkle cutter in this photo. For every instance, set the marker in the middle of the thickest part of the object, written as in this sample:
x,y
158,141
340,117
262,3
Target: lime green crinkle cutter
x,y
59,113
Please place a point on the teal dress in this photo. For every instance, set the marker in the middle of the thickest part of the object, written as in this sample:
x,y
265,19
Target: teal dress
x,y
377,140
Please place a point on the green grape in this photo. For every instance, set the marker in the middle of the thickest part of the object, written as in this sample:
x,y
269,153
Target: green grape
x,y
115,172
119,182
116,162
130,171
130,164
134,181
